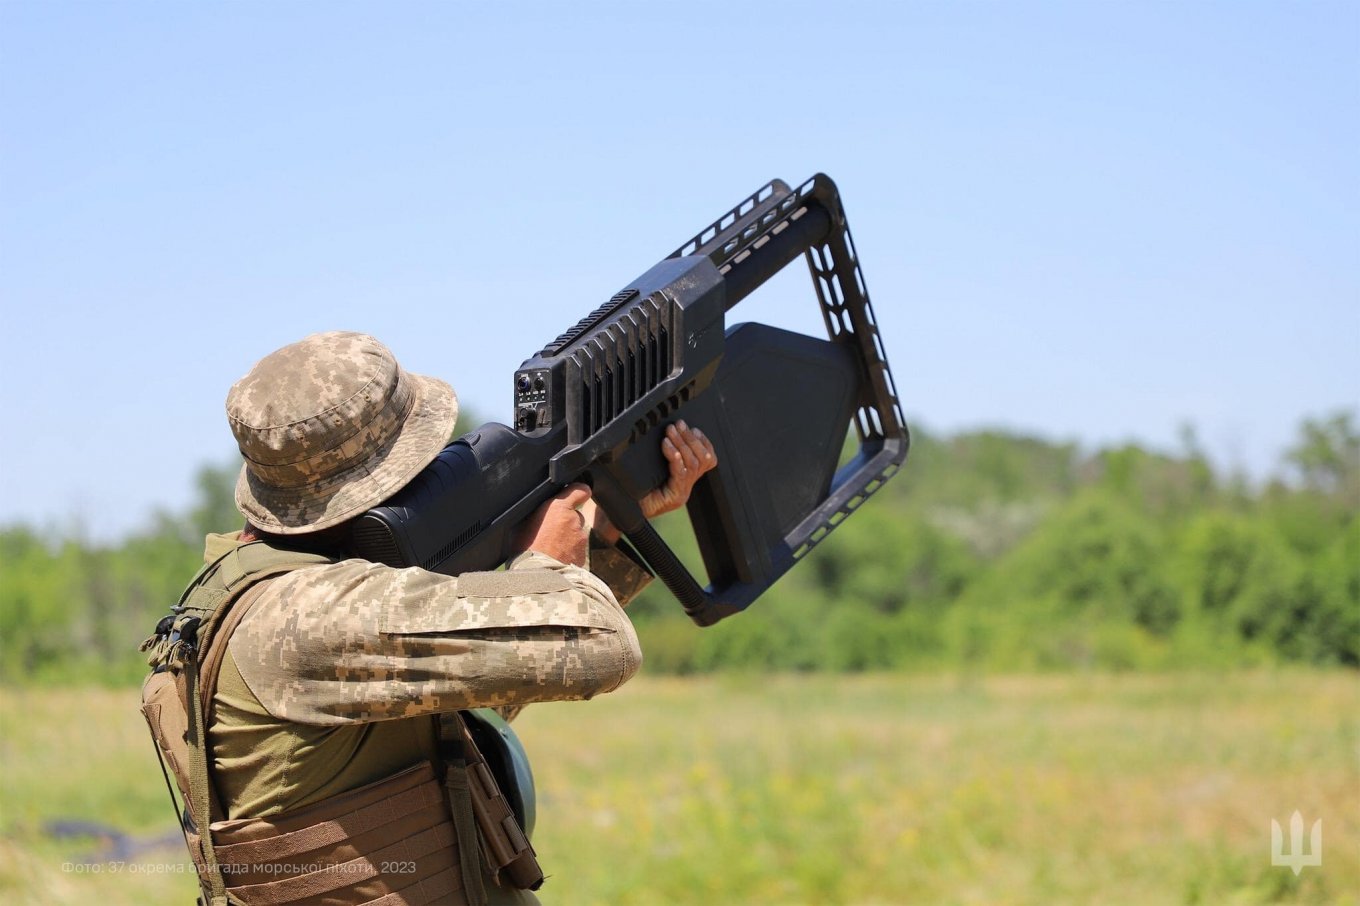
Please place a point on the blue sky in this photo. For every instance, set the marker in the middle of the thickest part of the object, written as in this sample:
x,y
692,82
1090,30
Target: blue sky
x,y
1092,221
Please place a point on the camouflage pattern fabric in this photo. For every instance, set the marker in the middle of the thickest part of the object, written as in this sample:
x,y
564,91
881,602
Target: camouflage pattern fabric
x,y
330,426
358,642
621,568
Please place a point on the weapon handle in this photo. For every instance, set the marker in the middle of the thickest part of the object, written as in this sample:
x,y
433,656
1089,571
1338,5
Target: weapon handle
x,y
627,516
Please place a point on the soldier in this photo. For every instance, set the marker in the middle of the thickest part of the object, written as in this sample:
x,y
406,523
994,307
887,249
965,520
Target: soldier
x,y
312,707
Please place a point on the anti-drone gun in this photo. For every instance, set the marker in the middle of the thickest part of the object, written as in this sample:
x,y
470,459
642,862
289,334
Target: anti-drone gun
x,y
590,406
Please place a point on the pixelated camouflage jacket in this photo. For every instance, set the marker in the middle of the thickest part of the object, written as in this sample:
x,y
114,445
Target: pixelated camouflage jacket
x,y
325,674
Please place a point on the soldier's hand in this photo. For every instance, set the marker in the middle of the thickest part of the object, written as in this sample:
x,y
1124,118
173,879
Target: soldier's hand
x,y
689,454
559,528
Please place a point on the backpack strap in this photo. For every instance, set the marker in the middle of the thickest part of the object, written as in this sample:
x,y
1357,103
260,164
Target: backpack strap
x,y
210,661
242,573
184,645
200,786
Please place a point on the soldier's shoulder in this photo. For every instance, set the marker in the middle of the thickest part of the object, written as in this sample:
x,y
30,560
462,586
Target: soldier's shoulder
x,y
347,591
327,580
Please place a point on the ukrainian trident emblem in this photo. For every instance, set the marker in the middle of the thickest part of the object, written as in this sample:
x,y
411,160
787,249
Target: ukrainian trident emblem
x,y
1296,858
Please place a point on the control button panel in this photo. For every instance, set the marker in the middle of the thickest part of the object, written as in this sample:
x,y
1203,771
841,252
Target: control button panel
x,y
531,400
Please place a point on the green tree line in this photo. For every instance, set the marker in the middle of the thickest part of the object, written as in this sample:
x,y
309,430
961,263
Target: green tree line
x,y
992,550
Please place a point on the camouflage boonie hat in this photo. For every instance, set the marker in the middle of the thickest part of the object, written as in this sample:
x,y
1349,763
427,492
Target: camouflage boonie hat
x,y
331,426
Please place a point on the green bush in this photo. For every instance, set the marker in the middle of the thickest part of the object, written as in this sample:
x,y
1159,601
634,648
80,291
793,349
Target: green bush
x,y
991,551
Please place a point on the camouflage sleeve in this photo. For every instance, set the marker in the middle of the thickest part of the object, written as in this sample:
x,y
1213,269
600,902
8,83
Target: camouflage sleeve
x,y
620,567
357,641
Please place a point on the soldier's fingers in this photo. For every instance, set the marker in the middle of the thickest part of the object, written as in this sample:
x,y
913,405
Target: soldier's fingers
x,y
676,450
574,495
687,457
698,444
691,447
675,463
708,457
709,450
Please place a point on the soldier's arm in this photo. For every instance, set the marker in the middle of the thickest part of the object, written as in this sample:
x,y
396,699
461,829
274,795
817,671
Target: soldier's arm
x,y
617,565
359,641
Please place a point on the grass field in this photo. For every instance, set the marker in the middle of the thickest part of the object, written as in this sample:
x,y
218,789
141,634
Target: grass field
x,y
819,790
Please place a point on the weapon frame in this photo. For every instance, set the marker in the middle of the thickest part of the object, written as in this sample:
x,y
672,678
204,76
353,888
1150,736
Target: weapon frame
x,y
646,358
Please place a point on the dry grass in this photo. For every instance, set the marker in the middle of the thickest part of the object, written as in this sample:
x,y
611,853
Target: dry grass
x,y
824,790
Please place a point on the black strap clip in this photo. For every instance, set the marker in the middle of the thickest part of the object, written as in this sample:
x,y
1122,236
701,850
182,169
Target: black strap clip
x,y
187,636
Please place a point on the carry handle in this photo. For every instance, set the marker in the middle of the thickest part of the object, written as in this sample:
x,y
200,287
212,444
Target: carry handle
x,y
626,514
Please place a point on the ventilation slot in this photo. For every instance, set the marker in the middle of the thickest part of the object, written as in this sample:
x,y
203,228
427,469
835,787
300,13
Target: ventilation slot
x,y
622,363
373,540
447,550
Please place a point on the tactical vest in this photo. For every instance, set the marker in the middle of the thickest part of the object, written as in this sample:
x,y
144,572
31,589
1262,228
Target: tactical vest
x,y
416,837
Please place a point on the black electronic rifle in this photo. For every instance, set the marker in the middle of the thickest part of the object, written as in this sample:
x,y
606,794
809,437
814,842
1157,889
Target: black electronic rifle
x,y
777,406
